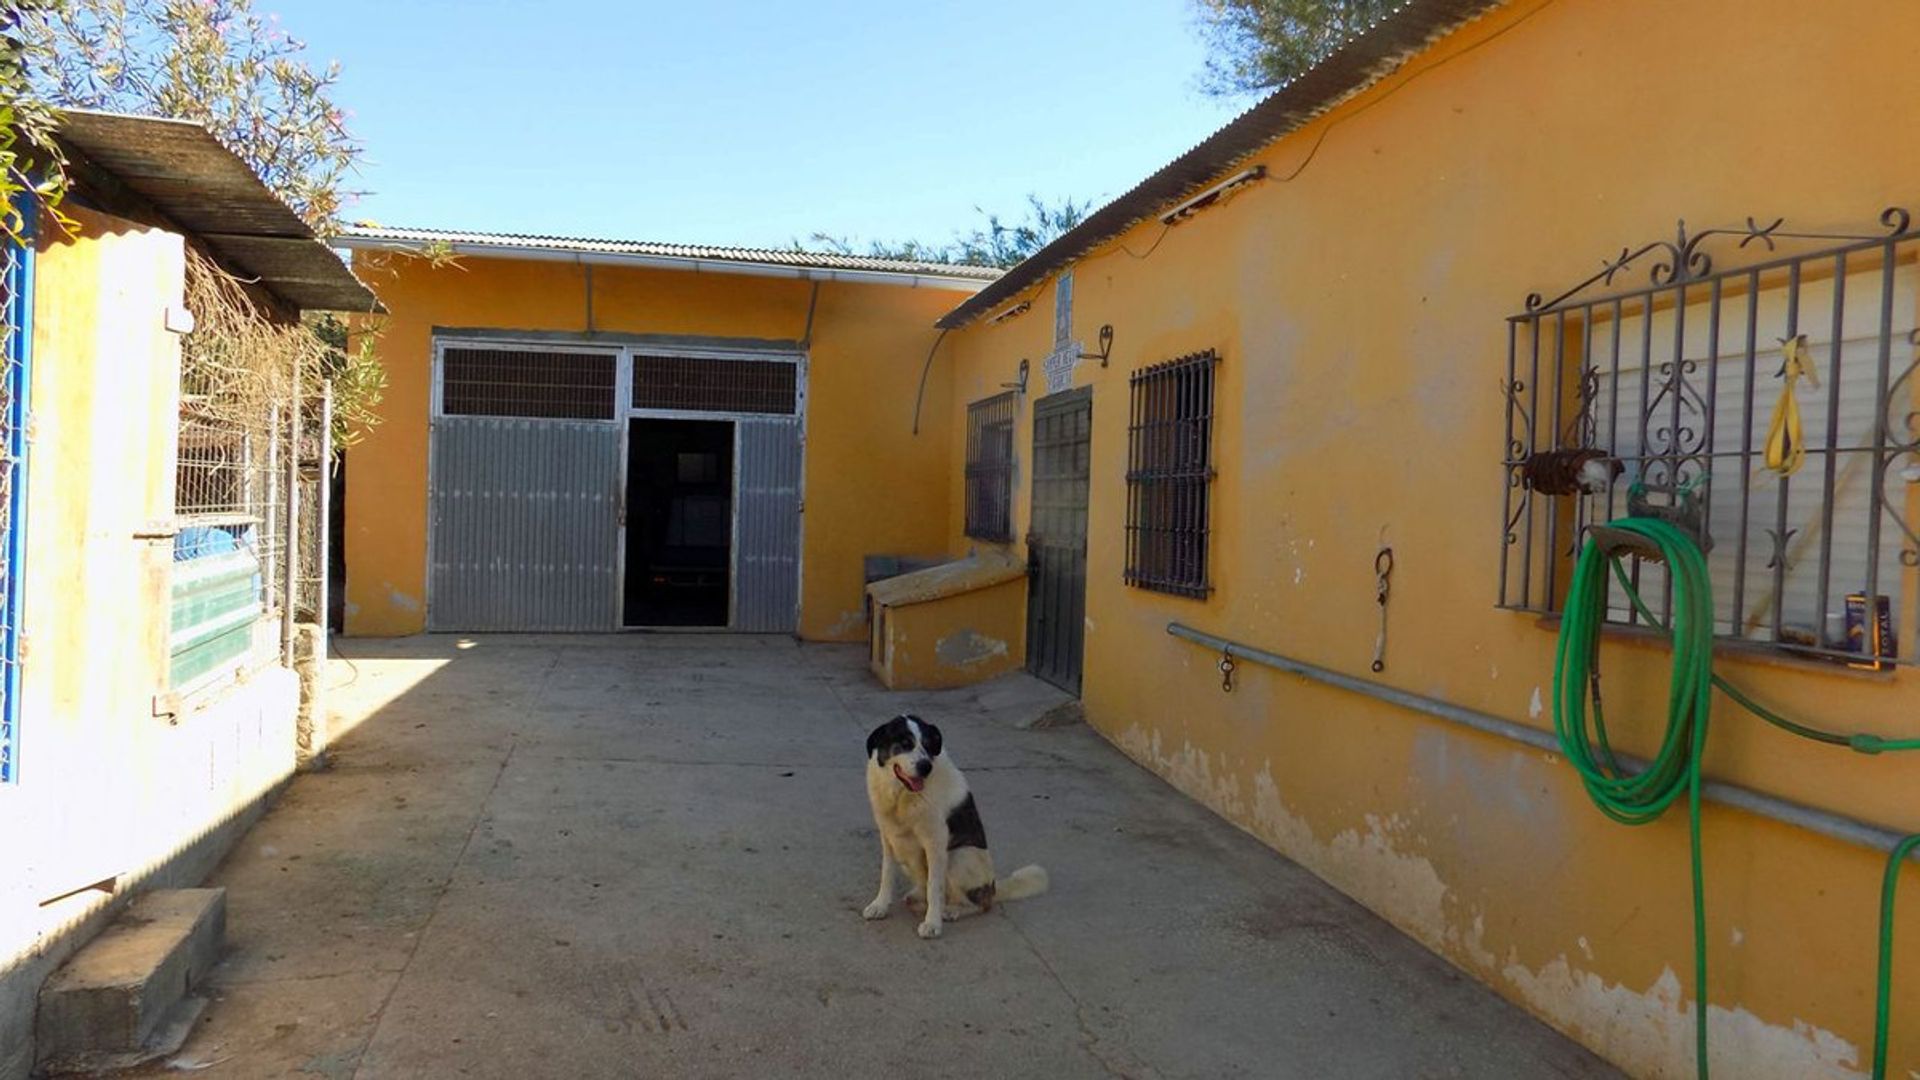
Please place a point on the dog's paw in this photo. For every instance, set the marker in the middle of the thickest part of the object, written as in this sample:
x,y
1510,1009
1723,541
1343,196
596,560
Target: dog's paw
x,y
929,930
875,910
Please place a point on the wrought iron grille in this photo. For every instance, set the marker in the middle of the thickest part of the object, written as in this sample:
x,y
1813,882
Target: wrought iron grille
x,y
527,383
990,467
16,300
1169,472
737,386
1664,394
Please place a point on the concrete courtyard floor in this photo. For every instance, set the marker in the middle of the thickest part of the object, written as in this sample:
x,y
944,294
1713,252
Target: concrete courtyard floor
x,y
646,855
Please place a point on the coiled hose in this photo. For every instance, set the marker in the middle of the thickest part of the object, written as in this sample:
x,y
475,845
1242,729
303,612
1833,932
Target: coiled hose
x,y
1638,798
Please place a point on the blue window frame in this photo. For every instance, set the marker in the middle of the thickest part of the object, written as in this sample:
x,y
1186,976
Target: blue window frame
x,y
16,337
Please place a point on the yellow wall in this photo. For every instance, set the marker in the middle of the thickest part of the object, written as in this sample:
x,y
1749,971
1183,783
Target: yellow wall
x,y
955,624
869,342
1359,309
107,790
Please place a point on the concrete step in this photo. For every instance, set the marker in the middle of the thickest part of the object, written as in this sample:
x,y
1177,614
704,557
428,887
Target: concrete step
x,y
127,995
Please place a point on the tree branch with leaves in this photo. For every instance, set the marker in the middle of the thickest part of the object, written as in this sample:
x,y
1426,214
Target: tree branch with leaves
x,y
998,243
1255,46
217,62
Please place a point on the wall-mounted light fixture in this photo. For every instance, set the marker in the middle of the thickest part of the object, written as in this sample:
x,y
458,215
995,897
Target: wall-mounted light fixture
x,y
1106,346
1015,311
1213,195
1021,386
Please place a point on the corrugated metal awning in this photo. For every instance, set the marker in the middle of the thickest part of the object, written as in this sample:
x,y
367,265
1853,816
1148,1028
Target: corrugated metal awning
x,y
189,175
699,258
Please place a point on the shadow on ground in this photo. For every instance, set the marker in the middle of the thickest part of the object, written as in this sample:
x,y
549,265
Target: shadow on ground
x,y
646,855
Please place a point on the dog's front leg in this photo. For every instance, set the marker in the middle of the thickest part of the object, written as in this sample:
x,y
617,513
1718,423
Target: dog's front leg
x,y
883,900
936,890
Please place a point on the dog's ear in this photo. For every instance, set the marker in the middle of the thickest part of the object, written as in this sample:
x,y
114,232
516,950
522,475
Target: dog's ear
x,y
929,737
876,739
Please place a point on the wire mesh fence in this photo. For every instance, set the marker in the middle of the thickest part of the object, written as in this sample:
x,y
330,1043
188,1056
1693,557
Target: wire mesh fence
x,y
15,302
310,547
247,550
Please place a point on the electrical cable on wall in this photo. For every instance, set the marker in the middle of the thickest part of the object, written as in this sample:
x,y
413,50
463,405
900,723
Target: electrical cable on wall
x,y
921,394
1320,139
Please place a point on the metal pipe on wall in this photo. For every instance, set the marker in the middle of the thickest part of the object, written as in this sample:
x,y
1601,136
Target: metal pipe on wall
x,y
1825,822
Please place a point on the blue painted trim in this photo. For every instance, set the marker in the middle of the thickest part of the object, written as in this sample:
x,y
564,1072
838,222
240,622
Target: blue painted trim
x,y
19,385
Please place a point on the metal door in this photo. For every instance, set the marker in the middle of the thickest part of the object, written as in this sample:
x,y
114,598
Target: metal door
x,y
524,524
1057,538
766,531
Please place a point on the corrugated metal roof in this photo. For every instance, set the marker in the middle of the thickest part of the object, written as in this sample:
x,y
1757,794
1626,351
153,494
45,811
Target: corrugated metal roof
x,y
506,244
1361,62
189,175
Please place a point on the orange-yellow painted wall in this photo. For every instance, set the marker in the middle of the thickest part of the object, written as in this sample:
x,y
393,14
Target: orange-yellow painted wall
x,y
1359,307
872,487
951,625
107,790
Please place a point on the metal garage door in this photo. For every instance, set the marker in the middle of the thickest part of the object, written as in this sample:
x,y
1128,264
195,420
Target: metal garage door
x,y
767,533
524,491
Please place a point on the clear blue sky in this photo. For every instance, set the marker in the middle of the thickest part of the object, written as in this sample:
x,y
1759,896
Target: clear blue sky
x,y
753,123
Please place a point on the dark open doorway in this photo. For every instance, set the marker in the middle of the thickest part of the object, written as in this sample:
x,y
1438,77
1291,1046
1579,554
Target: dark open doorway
x,y
679,522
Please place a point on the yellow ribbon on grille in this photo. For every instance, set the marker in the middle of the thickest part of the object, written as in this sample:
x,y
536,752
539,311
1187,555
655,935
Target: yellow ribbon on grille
x,y
1786,449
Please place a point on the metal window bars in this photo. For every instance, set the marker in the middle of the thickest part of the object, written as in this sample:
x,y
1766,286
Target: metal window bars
x,y
989,469
1678,379
527,383
1169,473
709,385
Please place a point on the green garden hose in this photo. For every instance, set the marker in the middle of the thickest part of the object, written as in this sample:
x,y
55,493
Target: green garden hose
x,y
1883,993
1630,798
1638,798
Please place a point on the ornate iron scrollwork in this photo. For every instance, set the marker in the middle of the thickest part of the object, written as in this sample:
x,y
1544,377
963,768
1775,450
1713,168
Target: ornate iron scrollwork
x,y
1685,258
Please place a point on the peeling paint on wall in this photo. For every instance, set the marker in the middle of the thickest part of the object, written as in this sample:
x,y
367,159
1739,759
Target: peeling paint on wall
x,y
849,624
966,648
399,599
1650,1033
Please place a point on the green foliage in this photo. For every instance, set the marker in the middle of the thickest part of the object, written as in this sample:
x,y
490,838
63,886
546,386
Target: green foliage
x,y
30,160
239,73
1257,45
359,380
997,243
213,61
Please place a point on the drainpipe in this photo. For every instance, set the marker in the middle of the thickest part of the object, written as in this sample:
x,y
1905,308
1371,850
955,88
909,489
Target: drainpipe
x,y
806,333
920,394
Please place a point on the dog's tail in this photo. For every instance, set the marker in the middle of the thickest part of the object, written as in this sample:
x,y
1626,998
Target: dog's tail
x,y
1030,880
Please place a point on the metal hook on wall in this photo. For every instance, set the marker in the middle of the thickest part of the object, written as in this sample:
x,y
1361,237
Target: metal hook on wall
x,y
1382,586
1106,346
1021,386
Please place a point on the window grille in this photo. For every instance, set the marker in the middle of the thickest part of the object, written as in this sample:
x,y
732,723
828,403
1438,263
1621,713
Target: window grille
x,y
1677,379
990,467
706,385
1169,473
527,383
16,301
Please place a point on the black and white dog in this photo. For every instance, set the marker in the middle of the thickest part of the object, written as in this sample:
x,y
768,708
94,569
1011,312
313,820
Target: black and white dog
x,y
930,828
